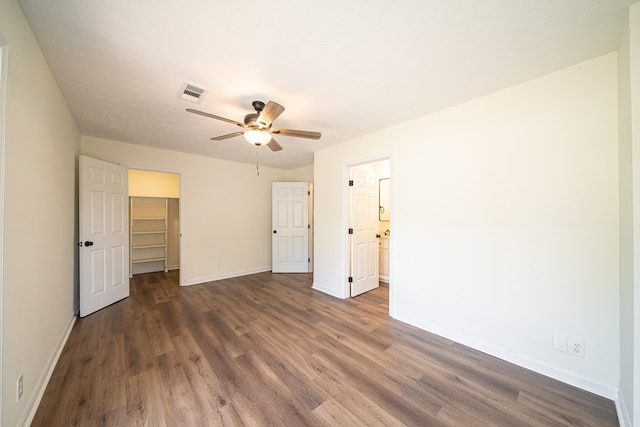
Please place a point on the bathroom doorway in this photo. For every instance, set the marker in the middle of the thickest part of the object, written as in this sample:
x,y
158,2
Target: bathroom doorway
x,y
369,219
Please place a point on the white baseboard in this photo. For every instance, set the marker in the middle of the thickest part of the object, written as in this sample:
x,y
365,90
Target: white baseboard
x,y
549,371
41,386
199,280
327,291
624,417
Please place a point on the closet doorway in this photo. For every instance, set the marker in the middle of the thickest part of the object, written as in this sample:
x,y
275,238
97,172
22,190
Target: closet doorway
x,y
154,203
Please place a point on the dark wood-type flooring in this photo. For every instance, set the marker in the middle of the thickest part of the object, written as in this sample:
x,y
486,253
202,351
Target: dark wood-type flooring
x,y
266,349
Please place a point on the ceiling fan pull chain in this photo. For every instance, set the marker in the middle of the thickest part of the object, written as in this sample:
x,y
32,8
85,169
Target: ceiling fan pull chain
x,y
257,163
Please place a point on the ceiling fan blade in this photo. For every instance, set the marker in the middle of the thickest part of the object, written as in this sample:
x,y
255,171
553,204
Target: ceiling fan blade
x,y
270,112
227,136
274,145
297,133
212,116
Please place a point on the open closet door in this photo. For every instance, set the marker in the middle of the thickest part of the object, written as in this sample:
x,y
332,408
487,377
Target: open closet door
x,y
104,234
364,223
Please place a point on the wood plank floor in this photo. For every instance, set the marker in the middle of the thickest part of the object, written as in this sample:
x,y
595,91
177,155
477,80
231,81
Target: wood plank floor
x,y
266,349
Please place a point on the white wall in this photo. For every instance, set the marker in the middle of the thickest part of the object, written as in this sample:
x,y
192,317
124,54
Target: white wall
x,y
505,221
42,143
629,159
225,208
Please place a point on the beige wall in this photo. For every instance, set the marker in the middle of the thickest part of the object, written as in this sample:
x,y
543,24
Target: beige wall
x,y
173,234
302,174
225,208
629,160
504,222
42,143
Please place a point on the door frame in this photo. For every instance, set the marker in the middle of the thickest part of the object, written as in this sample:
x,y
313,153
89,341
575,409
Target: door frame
x,y
346,252
180,210
4,56
311,225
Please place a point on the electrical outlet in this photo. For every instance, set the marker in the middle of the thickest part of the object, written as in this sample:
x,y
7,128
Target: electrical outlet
x,y
19,388
576,347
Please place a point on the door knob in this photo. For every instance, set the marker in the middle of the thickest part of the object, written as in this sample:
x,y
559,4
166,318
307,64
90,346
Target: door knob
x,y
88,243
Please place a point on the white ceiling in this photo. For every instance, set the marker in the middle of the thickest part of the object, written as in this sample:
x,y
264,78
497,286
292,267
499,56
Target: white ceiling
x,y
343,68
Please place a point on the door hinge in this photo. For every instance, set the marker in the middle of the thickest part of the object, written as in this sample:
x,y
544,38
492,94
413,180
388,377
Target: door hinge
x,y
309,226
350,183
350,279
308,259
308,193
351,231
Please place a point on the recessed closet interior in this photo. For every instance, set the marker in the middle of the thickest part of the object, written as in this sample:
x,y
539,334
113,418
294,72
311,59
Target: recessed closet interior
x,y
154,221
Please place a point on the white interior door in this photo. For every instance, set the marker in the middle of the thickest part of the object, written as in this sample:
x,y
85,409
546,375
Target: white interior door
x,y
290,223
364,223
104,234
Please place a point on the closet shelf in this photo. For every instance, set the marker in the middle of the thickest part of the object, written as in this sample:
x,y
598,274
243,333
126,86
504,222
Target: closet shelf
x,y
148,246
148,234
138,261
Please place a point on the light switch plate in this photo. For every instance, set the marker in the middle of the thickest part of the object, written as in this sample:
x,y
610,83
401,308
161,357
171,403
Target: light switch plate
x,y
560,343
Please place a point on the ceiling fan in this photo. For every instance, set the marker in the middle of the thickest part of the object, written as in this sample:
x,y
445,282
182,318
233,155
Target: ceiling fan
x,y
257,127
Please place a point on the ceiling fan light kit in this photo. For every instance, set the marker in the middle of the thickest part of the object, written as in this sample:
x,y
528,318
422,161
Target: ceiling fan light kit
x,y
257,137
257,126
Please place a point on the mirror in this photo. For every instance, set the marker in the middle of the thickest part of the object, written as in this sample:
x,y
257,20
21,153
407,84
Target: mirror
x,y
384,198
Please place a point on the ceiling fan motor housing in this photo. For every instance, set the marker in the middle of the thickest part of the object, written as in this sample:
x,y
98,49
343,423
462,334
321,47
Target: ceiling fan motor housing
x,y
258,105
251,119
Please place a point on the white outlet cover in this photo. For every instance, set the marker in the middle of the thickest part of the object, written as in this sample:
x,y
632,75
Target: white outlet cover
x,y
560,343
576,347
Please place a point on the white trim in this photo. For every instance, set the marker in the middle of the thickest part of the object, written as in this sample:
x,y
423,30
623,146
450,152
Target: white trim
x,y
200,280
327,291
4,56
310,253
549,371
624,417
392,204
344,226
41,386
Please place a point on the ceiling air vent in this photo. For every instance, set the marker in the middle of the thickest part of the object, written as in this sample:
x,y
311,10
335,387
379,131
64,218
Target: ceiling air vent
x,y
192,93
